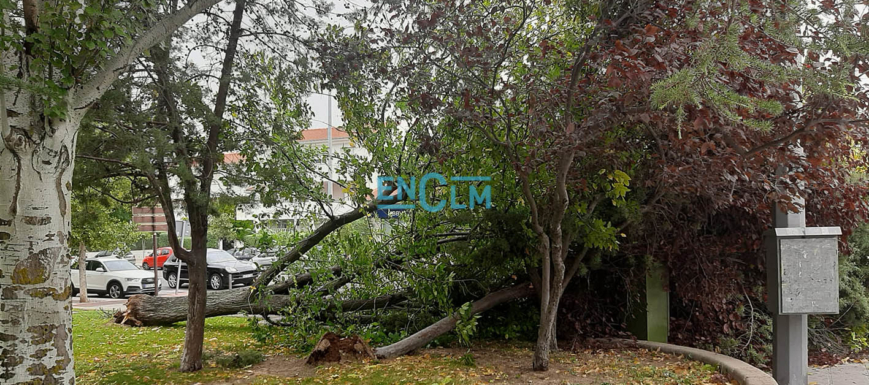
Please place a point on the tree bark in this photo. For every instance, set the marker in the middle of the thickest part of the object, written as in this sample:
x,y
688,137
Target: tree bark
x,y
35,314
145,310
153,311
194,335
82,273
424,336
545,334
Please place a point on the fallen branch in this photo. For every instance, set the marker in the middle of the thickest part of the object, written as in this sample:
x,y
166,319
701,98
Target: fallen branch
x,y
312,240
385,302
424,336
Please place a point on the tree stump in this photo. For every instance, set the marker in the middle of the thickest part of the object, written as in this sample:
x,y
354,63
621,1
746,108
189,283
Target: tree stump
x,y
333,348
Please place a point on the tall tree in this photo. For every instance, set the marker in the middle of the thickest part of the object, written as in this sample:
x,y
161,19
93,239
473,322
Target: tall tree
x,y
58,58
167,126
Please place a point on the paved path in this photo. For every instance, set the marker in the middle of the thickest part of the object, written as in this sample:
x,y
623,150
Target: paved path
x,y
845,374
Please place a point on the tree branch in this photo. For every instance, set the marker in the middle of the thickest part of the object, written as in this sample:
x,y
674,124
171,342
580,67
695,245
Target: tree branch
x,y
89,92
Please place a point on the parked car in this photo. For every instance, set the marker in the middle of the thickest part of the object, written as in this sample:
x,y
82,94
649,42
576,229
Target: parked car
x,y
117,254
113,277
163,255
262,260
222,268
244,254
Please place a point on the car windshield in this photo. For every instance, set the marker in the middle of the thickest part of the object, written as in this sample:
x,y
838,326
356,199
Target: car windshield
x,y
219,256
119,265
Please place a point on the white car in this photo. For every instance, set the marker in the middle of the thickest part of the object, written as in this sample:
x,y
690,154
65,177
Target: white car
x,y
113,277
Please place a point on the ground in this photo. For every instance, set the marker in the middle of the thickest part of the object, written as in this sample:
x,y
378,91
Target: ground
x,y
111,354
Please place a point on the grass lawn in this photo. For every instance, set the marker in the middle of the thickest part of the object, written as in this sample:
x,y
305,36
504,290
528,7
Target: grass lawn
x,y
106,353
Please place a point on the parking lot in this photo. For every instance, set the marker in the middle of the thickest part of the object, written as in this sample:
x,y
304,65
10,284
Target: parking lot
x,y
109,304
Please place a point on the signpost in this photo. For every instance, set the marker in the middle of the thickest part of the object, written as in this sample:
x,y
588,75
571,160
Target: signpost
x,y
153,220
802,278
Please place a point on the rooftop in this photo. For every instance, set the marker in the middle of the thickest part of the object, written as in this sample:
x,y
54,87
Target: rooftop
x,y
321,134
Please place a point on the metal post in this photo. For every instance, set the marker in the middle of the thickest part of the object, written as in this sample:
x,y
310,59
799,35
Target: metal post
x,y
156,276
790,358
178,279
183,223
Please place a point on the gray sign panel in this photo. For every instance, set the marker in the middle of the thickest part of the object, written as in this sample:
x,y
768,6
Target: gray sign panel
x,y
809,275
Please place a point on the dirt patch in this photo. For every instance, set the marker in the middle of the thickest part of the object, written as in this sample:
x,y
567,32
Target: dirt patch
x,y
507,364
287,367
283,366
499,363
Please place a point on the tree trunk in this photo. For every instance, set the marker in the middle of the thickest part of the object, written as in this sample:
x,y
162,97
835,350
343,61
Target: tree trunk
x,y
82,276
424,336
153,311
146,310
35,316
546,338
194,335
553,334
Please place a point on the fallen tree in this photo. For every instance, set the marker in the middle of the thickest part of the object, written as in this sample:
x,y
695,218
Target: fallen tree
x,y
143,310
150,311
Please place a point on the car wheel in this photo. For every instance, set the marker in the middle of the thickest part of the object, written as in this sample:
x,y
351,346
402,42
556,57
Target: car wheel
x,y
145,266
172,280
74,290
215,281
116,290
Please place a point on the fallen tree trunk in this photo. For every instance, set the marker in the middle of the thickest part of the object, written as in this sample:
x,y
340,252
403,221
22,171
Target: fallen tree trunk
x,y
424,336
145,310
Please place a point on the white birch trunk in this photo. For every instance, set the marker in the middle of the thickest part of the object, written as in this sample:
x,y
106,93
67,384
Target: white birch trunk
x,y
35,310
36,163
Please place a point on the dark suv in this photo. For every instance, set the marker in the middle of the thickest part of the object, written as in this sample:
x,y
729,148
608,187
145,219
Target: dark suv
x,y
223,270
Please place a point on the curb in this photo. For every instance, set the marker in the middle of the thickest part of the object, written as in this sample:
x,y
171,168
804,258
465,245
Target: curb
x,y
738,370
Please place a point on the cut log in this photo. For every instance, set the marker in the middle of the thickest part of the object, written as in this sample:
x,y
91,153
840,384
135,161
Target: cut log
x,y
424,336
144,310
332,348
